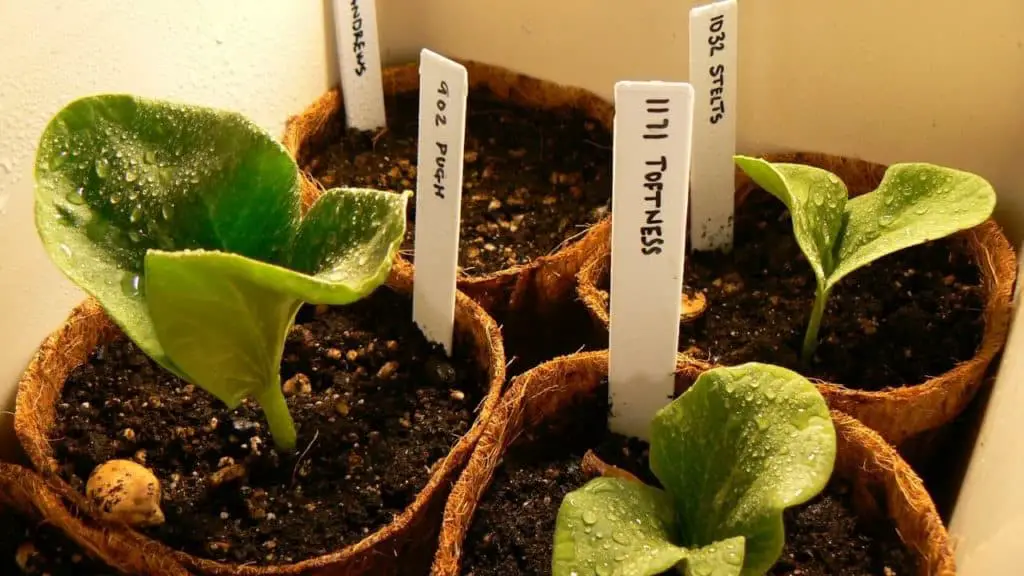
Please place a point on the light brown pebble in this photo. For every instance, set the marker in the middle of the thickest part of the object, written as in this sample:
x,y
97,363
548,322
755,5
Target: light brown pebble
x,y
298,384
387,370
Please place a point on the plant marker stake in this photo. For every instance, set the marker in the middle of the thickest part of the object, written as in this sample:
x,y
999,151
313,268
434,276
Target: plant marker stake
x,y
713,34
444,86
355,28
651,170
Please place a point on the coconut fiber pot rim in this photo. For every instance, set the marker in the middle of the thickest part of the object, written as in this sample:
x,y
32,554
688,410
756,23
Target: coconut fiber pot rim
x,y
88,326
546,280
897,413
881,481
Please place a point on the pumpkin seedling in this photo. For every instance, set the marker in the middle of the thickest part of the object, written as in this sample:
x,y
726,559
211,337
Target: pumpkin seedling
x,y
914,203
184,222
732,452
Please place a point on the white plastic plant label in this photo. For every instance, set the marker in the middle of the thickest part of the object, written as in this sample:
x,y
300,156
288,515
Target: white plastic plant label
x,y
362,86
653,131
444,86
713,73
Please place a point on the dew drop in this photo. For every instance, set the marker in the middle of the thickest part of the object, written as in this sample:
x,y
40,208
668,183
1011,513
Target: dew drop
x,y
77,197
888,197
833,178
149,157
115,197
621,538
130,176
921,209
131,284
136,214
59,160
167,211
604,569
66,250
134,236
102,167
886,219
733,558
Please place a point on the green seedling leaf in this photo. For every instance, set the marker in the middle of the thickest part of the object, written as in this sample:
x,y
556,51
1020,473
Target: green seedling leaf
x,y
915,203
733,452
614,526
184,222
739,447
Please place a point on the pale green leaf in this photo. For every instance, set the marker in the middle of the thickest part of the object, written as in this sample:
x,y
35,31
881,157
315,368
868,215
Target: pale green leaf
x,y
614,527
914,203
736,449
816,200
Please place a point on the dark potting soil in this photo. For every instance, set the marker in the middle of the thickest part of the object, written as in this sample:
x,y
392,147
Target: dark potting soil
x,y
532,181
512,530
898,321
376,407
29,547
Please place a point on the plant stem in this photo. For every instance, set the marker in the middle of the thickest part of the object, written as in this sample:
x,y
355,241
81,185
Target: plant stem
x,y
275,410
811,337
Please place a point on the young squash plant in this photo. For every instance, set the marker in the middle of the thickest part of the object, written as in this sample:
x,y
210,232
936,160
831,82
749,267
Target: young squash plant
x,y
184,222
915,203
732,452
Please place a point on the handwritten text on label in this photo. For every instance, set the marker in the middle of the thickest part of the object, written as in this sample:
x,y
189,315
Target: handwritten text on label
x,y
358,44
442,147
716,41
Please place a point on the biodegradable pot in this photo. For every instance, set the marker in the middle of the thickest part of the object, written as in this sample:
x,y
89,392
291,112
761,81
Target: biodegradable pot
x,y
897,413
29,496
543,284
882,484
378,553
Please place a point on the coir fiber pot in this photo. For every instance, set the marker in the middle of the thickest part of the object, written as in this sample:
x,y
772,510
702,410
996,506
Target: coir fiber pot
x,y
26,495
896,412
543,284
882,485
379,552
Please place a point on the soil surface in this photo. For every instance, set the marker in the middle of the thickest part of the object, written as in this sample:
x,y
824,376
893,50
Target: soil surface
x,y
906,317
512,530
375,404
28,547
532,179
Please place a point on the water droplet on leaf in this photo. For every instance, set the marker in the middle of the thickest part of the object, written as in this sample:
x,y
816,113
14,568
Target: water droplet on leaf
x,y
589,518
77,197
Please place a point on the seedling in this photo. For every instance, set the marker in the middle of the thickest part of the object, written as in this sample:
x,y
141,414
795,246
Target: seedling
x,y
915,203
732,452
184,222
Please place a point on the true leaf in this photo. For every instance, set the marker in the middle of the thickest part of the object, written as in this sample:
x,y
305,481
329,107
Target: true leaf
x,y
184,222
733,452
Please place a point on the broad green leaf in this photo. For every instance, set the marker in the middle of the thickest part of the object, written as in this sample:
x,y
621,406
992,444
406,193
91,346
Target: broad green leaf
x,y
816,200
184,223
914,203
117,175
736,449
615,527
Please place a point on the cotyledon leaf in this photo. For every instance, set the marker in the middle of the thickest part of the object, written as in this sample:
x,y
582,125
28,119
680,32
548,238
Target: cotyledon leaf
x,y
816,200
118,175
736,449
914,203
615,527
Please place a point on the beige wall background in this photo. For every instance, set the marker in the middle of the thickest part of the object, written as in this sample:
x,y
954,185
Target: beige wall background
x,y
936,80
